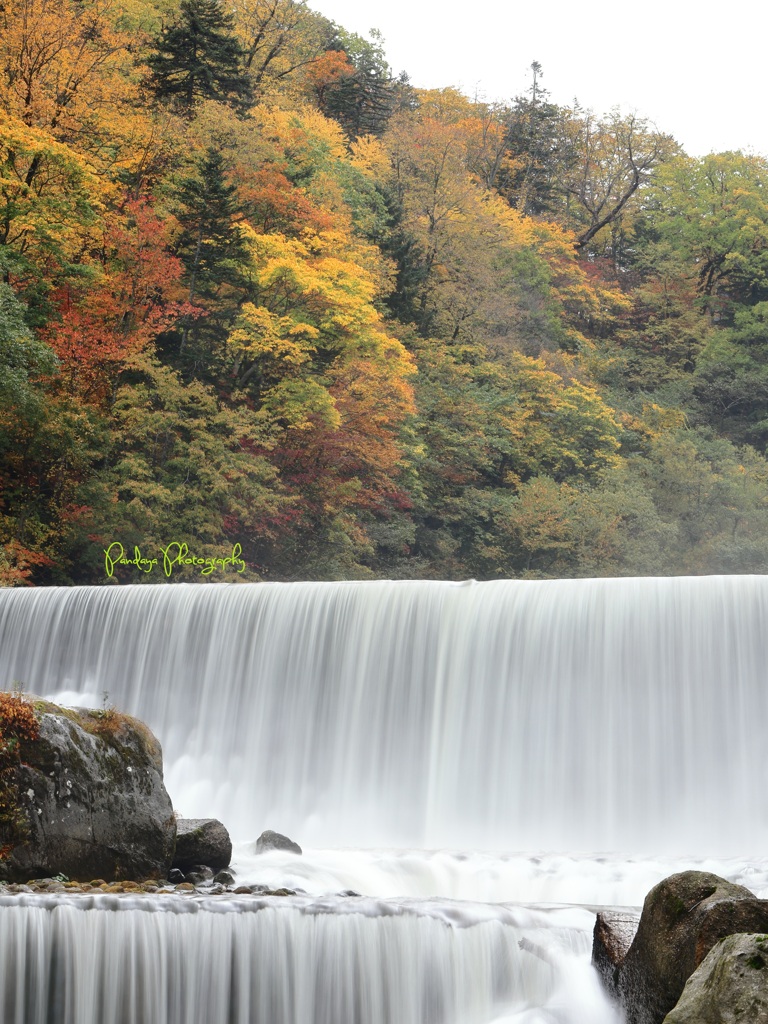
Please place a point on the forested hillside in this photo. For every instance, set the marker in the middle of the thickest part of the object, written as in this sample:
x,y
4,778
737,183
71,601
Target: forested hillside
x,y
257,291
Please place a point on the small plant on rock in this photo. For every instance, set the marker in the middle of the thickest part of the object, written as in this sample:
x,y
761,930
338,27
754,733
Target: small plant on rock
x,y
17,724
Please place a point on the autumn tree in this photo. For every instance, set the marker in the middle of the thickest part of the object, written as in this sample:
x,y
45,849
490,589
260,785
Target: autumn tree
x,y
606,161
434,194
330,386
132,294
49,197
181,467
332,183
484,271
488,431
69,69
281,41
478,127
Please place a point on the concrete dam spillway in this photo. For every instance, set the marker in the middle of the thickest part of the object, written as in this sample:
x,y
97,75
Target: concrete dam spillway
x,y
580,714
563,716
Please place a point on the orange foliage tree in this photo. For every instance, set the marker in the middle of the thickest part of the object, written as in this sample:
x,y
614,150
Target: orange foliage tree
x,y
135,295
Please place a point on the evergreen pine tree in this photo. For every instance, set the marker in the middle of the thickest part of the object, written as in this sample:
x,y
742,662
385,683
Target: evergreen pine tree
x,y
534,141
364,102
198,57
210,245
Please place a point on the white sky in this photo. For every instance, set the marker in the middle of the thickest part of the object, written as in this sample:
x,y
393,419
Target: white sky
x,y
697,70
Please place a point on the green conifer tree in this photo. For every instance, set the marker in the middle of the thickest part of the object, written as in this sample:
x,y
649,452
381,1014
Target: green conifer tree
x,y
535,143
210,245
198,57
364,102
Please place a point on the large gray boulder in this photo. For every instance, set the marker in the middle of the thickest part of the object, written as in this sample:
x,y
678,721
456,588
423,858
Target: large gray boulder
x,y
201,841
91,787
729,987
683,918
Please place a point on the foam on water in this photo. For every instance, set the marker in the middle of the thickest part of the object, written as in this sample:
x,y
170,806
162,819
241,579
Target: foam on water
x,y
591,880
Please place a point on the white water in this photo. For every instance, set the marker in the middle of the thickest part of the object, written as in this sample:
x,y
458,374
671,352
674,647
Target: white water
x,y
451,736
587,879
567,715
138,960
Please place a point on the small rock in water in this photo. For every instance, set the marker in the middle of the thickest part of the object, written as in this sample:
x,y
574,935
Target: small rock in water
x,y
199,874
175,876
201,841
224,878
270,840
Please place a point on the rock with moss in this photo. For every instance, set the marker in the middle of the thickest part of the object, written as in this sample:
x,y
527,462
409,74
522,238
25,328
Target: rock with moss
x,y
683,917
90,787
201,841
730,986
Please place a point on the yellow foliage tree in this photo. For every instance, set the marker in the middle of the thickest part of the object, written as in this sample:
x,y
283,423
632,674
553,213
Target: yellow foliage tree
x,y
68,68
48,196
329,383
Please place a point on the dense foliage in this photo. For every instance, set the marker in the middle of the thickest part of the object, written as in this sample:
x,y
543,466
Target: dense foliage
x,y
18,724
257,295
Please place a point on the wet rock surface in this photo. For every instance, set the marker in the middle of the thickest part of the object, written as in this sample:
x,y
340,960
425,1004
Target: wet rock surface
x,y
270,840
91,787
729,986
683,917
201,842
611,939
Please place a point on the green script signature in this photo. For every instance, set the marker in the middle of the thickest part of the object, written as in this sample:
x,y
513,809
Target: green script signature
x,y
174,555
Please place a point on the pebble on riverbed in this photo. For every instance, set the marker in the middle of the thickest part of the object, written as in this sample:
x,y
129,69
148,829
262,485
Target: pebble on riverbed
x,y
151,885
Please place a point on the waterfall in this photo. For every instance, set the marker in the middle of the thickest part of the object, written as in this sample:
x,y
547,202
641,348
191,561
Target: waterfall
x,y
145,960
461,726
581,714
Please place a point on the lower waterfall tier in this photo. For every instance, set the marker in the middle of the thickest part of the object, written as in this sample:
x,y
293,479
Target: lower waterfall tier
x,y
190,960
